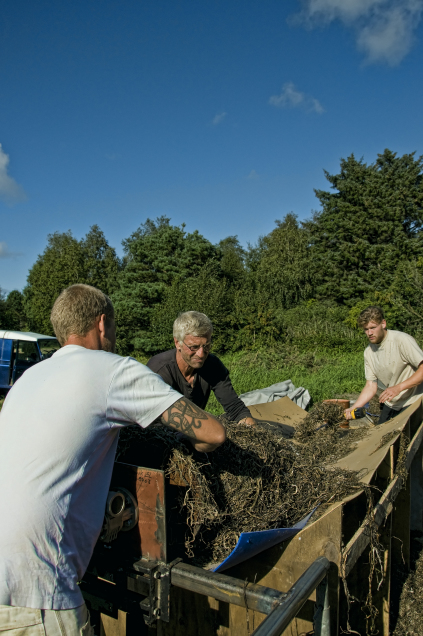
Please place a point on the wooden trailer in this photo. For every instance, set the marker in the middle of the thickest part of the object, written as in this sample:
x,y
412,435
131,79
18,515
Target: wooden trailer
x,y
365,546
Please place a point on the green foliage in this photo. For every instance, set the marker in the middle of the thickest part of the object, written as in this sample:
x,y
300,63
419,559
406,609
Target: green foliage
x,y
16,319
283,268
322,372
302,286
209,293
232,260
278,274
61,265
321,325
406,295
156,255
64,262
101,265
368,226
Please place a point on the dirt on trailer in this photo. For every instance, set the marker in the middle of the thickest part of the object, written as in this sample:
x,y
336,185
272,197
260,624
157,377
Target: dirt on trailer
x,y
257,480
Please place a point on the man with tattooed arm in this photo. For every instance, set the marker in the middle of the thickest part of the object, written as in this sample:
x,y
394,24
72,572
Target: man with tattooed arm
x,y
59,429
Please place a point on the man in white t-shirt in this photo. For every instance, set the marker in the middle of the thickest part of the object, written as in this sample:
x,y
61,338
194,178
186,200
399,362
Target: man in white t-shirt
x,y
58,435
393,361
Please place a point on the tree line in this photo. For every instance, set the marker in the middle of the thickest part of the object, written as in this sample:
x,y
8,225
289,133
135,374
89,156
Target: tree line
x,y
303,284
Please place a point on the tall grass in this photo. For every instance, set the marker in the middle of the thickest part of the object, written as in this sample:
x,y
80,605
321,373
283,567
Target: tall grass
x,y
325,374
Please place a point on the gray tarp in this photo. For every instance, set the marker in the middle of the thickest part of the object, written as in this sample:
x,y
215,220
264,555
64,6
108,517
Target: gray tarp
x,y
279,390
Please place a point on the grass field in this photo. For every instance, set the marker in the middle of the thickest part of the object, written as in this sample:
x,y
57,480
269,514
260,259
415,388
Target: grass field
x,y
324,374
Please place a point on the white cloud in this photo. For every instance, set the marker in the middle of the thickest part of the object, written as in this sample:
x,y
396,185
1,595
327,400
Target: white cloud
x,y
291,97
253,175
384,29
5,252
10,191
217,119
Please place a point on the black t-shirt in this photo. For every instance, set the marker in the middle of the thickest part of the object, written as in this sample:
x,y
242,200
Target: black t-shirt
x,y
213,375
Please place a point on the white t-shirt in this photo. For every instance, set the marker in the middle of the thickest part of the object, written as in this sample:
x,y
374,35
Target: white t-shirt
x,y
394,360
58,435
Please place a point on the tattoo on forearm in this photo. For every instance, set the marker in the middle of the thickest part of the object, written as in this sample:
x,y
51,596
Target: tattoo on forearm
x,y
184,416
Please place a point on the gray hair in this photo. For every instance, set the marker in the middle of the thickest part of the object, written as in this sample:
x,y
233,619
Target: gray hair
x,y
192,323
76,309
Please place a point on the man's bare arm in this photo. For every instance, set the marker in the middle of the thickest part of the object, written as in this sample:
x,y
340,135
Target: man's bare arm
x,y
203,430
369,391
391,392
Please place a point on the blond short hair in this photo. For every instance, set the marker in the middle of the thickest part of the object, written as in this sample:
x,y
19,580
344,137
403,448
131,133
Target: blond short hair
x,y
76,309
371,314
192,323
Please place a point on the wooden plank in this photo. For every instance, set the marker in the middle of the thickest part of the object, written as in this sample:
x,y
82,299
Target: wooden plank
x,y
361,538
401,516
416,479
111,626
368,453
147,485
381,596
281,566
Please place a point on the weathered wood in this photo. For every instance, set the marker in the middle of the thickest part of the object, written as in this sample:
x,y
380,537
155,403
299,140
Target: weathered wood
x,y
111,626
401,515
281,566
360,540
381,596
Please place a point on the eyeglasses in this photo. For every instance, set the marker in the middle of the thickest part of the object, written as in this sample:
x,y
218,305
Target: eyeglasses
x,y
206,348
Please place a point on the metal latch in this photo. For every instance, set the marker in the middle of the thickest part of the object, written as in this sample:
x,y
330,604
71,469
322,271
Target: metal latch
x,y
152,580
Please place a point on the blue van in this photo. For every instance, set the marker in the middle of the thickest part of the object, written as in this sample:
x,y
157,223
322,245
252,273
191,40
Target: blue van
x,y
19,350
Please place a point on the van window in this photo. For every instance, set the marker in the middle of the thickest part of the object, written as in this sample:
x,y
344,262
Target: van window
x,y
27,351
48,347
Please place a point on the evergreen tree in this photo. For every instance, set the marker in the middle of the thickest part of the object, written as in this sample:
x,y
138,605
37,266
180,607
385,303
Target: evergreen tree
x,y
101,264
67,261
157,254
60,265
232,259
365,228
15,311
207,292
283,268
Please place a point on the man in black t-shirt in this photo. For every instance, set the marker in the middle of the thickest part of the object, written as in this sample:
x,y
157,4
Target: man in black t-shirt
x,y
192,370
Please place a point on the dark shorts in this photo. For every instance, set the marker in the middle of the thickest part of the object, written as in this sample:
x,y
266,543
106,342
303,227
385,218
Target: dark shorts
x,y
387,414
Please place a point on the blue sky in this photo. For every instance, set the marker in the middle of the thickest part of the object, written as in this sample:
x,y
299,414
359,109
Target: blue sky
x,y
219,114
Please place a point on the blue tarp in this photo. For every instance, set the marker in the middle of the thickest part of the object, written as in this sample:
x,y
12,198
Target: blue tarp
x,y
252,543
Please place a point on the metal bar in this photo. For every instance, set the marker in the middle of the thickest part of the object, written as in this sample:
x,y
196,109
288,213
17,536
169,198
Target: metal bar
x,y
282,615
226,588
322,614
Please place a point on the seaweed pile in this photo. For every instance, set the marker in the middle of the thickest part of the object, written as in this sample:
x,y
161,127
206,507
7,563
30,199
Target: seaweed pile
x,y
256,480
409,622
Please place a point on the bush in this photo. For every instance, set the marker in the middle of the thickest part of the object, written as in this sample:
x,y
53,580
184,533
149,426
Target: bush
x,y
319,325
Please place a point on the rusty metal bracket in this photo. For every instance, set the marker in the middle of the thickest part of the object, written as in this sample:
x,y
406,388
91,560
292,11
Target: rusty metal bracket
x,y
152,580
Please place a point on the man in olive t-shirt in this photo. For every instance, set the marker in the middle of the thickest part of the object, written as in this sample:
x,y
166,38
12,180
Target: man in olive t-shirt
x,y
393,362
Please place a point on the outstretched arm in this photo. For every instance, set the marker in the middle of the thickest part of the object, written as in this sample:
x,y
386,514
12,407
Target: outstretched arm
x,y
369,391
203,430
